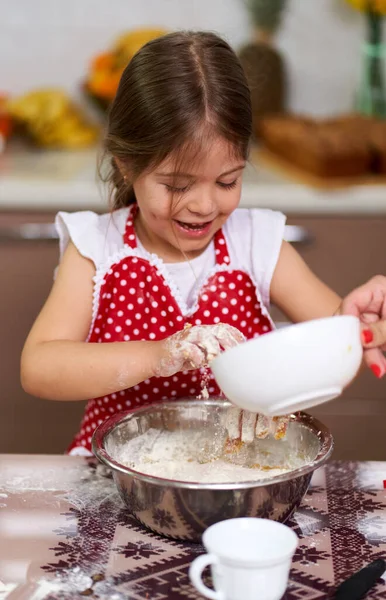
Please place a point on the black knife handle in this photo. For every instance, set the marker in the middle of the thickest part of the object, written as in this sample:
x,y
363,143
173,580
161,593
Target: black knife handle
x,y
356,586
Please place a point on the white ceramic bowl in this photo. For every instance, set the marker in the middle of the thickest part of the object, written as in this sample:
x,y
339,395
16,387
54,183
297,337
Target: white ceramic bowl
x,y
292,368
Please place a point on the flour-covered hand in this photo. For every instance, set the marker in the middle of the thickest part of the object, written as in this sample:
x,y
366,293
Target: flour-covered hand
x,y
244,426
195,347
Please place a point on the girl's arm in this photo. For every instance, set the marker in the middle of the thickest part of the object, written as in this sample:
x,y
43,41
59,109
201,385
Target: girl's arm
x,y
56,362
298,292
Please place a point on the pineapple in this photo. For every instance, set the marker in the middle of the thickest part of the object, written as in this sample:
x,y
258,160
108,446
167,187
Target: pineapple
x,y
262,63
266,14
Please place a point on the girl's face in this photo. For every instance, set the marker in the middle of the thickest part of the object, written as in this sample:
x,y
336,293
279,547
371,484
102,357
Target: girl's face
x,y
179,214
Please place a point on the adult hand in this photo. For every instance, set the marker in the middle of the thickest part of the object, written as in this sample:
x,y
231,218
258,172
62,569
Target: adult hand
x,y
368,303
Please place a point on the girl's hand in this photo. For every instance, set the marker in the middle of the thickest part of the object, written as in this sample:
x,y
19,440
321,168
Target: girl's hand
x,y
368,303
195,347
244,426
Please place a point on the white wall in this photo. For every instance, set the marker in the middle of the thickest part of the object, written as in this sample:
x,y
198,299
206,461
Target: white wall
x,y
50,42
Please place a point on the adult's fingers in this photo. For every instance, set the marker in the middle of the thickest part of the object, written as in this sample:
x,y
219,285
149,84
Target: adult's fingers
x,y
375,359
368,298
374,335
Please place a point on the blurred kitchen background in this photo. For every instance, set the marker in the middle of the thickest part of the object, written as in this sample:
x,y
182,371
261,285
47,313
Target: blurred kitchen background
x,y
316,69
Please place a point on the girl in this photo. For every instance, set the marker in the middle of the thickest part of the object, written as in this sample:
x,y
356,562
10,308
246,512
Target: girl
x,y
145,296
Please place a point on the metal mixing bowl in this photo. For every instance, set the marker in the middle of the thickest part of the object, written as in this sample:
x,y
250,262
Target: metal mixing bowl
x,y
183,510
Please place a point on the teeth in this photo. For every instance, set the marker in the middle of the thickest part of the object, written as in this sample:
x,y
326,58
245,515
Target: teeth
x,y
192,225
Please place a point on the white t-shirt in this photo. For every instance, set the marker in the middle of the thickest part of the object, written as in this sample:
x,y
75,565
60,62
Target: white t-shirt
x,y
254,238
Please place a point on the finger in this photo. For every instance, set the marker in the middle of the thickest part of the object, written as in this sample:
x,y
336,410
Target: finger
x,y
228,336
356,303
374,335
191,334
248,426
280,425
210,347
233,422
193,356
238,337
376,361
263,426
370,297
204,338
369,318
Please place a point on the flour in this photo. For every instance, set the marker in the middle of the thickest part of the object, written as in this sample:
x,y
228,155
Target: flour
x,y
195,456
6,589
66,585
84,489
205,379
217,471
194,347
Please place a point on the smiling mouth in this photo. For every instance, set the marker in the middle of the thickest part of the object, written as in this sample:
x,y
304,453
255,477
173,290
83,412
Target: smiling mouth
x,y
193,226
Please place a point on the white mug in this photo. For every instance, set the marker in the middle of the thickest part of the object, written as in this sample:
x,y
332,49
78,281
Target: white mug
x,y
250,559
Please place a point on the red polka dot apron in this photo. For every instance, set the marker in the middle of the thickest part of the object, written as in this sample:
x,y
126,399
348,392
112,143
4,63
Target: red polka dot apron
x,y
136,300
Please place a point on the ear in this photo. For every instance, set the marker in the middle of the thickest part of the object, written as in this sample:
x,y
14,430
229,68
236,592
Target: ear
x,y
122,167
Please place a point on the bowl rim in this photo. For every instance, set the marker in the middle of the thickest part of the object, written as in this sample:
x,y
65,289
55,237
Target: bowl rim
x,y
103,430
280,333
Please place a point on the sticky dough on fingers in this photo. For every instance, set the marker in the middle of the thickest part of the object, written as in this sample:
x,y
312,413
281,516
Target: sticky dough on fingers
x,y
245,426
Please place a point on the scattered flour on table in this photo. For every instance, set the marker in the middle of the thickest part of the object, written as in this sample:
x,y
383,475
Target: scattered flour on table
x,y
66,585
84,489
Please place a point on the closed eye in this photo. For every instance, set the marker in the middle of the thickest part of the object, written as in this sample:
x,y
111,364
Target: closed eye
x,y
182,190
227,186
177,190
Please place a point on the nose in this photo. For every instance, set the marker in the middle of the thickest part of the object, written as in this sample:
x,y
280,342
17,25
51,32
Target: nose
x,y
204,204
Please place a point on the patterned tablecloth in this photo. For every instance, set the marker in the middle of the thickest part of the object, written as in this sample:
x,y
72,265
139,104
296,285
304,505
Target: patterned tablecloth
x,y
64,534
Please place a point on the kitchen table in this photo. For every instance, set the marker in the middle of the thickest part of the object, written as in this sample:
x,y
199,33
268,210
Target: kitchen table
x,y
64,534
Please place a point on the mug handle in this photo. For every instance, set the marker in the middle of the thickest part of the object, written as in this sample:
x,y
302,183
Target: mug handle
x,y
195,574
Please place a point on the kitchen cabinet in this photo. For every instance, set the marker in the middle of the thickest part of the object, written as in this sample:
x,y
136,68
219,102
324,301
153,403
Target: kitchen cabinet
x,y
27,424
343,251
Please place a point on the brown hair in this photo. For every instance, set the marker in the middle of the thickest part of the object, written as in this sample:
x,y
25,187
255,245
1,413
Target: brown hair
x,y
178,91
